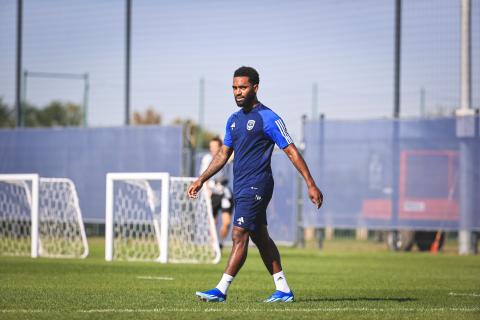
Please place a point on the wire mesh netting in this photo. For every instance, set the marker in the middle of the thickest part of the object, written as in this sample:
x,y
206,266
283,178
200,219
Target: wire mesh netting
x,y
329,57
137,222
360,171
60,225
345,48
15,218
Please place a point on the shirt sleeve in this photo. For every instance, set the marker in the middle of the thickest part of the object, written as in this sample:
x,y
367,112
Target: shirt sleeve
x,y
227,140
276,130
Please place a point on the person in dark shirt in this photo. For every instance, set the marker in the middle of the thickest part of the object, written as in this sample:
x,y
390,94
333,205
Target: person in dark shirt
x,y
252,133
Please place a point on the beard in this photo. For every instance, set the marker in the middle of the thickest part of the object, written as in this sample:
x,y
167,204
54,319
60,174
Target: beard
x,y
247,101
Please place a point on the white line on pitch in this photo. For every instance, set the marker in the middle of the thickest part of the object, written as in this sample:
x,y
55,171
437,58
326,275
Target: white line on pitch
x,y
251,310
464,294
307,310
155,278
23,311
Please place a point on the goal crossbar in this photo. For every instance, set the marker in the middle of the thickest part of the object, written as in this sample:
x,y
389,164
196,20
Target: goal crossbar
x,y
34,179
50,216
150,218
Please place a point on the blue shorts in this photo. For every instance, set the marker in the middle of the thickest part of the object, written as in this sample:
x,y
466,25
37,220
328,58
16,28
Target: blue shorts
x,y
251,207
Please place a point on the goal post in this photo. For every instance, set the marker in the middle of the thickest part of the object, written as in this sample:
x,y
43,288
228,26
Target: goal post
x,y
137,179
40,217
61,227
19,214
150,218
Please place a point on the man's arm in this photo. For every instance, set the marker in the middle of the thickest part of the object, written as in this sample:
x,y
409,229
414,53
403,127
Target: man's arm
x,y
206,160
313,192
218,161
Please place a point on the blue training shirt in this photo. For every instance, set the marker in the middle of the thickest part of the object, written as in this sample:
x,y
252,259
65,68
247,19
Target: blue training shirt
x,y
253,136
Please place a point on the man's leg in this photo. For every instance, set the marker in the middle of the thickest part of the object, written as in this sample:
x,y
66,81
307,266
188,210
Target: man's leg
x,y
271,258
247,210
238,255
268,249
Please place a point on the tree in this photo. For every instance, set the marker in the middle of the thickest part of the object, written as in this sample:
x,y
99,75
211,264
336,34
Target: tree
x,y
190,132
149,117
7,119
56,113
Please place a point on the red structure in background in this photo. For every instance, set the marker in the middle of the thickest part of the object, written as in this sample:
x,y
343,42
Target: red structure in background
x,y
428,188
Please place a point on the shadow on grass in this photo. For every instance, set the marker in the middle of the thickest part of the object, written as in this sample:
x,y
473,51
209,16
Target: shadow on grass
x,y
354,299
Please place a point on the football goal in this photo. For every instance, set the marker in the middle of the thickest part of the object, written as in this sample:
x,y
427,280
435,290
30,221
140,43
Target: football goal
x,y
40,217
149,217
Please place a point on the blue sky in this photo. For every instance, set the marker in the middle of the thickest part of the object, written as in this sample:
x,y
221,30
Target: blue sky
x,y
345,46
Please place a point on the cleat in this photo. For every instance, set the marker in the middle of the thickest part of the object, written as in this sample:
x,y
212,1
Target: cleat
x,y
213,295
280,296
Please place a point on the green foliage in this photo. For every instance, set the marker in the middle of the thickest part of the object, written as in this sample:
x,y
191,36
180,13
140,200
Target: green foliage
x,y
55,114
147,118
191,130
7,117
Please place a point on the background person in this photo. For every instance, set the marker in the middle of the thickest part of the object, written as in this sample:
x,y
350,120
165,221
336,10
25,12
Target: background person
x,y
218,190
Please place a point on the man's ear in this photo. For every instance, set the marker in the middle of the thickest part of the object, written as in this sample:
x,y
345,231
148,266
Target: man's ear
x,y
255,87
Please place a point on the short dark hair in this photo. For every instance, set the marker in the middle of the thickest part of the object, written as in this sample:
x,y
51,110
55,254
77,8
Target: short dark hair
x,y
249,72
217,139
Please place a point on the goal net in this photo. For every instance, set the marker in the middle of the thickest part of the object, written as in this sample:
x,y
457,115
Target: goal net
x,y
150,218
40,217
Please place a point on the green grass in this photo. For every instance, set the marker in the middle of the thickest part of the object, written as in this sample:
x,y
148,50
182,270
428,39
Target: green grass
x,y
343,281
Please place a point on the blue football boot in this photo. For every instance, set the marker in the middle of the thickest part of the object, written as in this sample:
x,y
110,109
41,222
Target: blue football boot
x,y
213,295
280,296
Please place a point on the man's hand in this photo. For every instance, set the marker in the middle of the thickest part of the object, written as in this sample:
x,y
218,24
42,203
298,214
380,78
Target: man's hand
x,y
315,195
217,163
313,192
193,189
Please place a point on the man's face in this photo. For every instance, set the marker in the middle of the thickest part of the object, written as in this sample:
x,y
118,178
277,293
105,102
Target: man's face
x,y
243,91
214,147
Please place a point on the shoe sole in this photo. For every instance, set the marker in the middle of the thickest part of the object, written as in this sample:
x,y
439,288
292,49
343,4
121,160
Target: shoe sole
x,y
205,298
278,300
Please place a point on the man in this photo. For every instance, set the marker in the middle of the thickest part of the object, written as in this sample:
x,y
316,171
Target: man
x,y
220,194
252,132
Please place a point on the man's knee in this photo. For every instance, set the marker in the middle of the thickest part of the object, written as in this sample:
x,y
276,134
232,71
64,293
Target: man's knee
x,y
260,239
240,236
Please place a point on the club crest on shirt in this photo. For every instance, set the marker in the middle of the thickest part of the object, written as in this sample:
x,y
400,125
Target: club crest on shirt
x,y
250,124
232,126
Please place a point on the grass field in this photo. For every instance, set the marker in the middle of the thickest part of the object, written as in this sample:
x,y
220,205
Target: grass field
x,y
347,280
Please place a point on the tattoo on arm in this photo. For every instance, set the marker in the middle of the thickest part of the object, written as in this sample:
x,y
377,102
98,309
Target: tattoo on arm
x,y
217,163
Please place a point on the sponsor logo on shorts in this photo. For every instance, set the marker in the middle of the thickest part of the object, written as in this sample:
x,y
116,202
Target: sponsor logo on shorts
x,y
257,197
240,221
